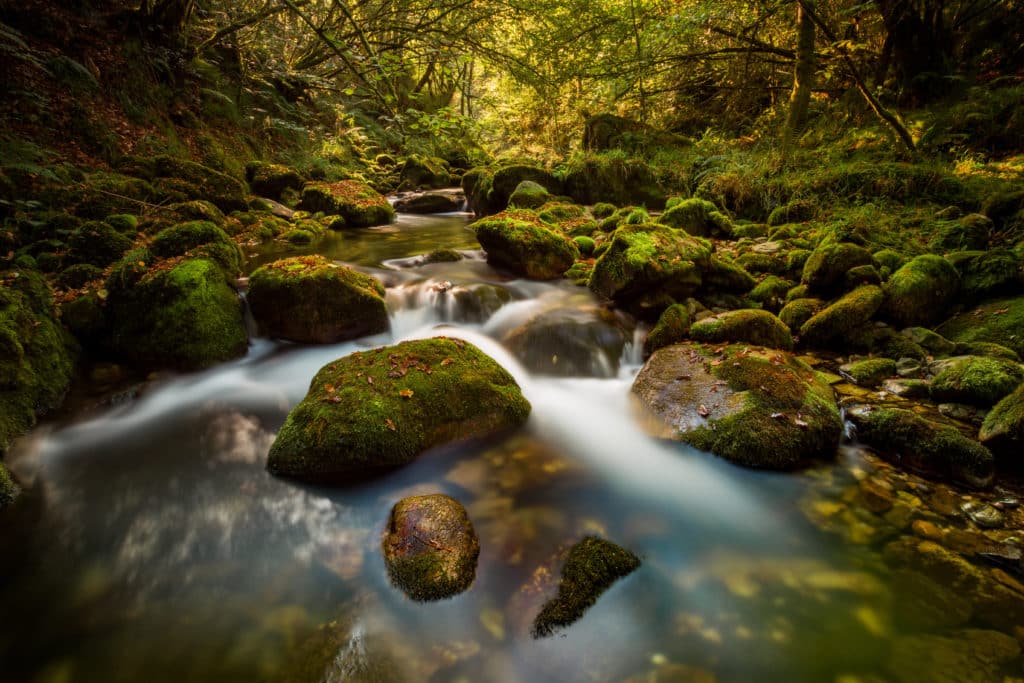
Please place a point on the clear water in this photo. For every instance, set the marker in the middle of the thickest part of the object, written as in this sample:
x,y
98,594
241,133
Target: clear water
x,y
155,546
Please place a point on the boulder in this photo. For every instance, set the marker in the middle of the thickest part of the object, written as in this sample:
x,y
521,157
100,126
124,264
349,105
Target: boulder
x,y
673,326
988,274
842,317
271,180
198,238
921,291
424,172
430,547
585,341
871,372
977,380
999,321
591,567
309,299
432,201
520,241
489,189
921,445
825,269
697,217
648,263
358,204
96,244
596,178
798,311
379,409
528,195
757,408
726,277
969,232
751,326
1003,428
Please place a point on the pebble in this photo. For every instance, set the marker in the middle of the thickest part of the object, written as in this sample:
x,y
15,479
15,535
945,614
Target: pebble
x,y
985,516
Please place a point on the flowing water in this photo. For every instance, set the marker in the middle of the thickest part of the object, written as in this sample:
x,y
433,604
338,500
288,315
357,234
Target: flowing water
x,y
155,546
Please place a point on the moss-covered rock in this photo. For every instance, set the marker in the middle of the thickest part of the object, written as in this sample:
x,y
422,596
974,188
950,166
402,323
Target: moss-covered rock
x,y
579,341
592,178
999,321
1003,428
749,326
201,238
431,201
77,275
843,316
725,276
9,491
489,189
697,217
430,547
380,409
37,357
921,445
826,267
889,261
520,241
528,195
309,299
592,566
774,411
97,244
585,244
796,211
673,326
358,204
602,210
271,180
860,276
607,131
798,311
422,172
967,233
174,314
650,262
197,181
977,380
988,274
921,291
871,372
771,291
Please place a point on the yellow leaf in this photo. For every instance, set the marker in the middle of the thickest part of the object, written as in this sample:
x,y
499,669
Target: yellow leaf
x,y
405,393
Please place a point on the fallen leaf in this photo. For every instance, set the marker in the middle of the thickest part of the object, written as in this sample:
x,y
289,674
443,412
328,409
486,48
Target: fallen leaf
x,y
329,388
390,425
405,393
703,411
369,380
447,361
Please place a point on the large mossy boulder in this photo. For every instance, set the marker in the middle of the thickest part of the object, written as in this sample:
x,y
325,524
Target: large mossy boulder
x,y
673,326
520,241
751,326
647,267
198,238
182,180
826,268
697,217
97,244
1003,428
594,178
431,201
921,292
988,274
309,299
977,380
430,547
758,408
529,195
999,321
591,567
488,189
839,319
379,409
421,172
272,180
727,277
37,357
358,204
169,314
921,445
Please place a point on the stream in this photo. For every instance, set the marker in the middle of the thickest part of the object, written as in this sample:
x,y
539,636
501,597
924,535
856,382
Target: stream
x,y
156,547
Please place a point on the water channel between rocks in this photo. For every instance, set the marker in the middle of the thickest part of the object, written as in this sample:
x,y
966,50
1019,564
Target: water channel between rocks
x,y
157,547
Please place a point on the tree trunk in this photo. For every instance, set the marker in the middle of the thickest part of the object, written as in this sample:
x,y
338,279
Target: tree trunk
x,y
803,79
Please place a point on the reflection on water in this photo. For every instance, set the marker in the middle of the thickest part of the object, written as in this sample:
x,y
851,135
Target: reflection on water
x,y
156,547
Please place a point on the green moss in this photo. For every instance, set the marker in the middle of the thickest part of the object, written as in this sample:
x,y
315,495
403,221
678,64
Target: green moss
x,y
797,211
585,245
196,210
889,260
724,275
967,233
9,491
935,449
988,274
1003,428
602,210
690,215
986,349
798,311
520,241
592,178
443,256
125,223
771,291
357,203
129,269
382,408
826,268
976,380
226,192
843,316
762,263
184,238
298,236
747,326
934,343
999,321
673,326
77,275
921,292
271,180
528,195
561,213
591,568
97,244
871,372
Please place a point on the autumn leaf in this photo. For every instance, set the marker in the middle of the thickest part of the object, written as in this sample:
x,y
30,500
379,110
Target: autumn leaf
x,y
390,425
703,411
716,362
369,380
447,361
329,388
405,393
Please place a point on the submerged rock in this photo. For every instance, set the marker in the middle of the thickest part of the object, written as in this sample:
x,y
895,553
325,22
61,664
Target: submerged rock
x,y
380,409
357,203
519,240
590,569
925,446
751,326
430,547
570,342
968,656
756,408
309,299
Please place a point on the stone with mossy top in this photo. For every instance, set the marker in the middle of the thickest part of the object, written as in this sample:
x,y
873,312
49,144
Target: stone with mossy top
x,y
97,244
529,195
870,372
650,259
750,326
488,189
697,217
921,291
998,321
1003,428
755,407
358,204
517,239
590,569
798,311
380,409
200,238
9,491
843,316
430,547
673,326
178,313
825,269
725,276
271,180
921,445
976,380
309,299
988,274
37,356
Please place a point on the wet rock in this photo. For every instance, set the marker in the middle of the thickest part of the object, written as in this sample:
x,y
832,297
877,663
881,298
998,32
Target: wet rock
x,y
433,201
909,367
592,566
754,407
842,317
341,650
430,547
751,326
969,656
308,299
921,291
961,412
380,409
673,326
925,446
570,342
358,204
1003,428
668,672
871,372
985,516
827,265
977,380
520,241
906,388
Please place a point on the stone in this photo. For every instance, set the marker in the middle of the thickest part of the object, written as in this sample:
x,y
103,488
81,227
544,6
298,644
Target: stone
x,y
751,326
359,205
517,239
921,291
977,380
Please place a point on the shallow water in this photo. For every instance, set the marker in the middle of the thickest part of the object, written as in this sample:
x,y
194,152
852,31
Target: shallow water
x,y
155,546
